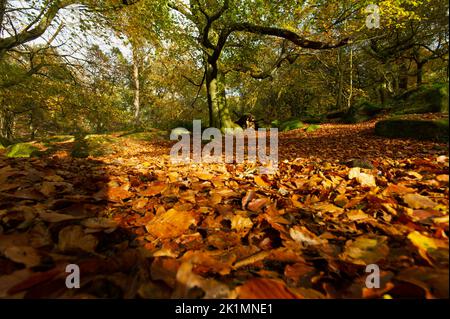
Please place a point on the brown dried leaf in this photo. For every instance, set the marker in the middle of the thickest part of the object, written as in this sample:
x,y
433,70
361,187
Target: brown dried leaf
x,y
73,238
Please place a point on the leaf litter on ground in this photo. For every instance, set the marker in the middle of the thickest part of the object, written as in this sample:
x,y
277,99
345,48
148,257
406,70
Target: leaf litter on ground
x,y
141,227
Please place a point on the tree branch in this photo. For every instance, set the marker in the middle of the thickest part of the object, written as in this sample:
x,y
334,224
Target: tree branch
x,y
276,32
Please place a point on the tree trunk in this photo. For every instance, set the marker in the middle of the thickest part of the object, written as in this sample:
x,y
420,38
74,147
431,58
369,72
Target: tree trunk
x,y
403,77
381,94
340,90
211,92
219,112
32,127
2,13
224,111
6,124
137,89
350,91
419,75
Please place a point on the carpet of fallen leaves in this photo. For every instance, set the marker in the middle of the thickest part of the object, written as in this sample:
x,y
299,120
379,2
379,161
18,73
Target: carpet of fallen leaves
x,y
140,227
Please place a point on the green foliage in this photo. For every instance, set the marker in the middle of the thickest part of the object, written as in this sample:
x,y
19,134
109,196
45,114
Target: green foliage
x,y
22,150
416,129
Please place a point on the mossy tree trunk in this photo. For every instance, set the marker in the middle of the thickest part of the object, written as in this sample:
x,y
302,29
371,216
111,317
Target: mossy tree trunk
x,y
219,112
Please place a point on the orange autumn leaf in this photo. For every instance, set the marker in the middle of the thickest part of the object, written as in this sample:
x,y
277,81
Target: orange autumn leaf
x,y
263,288
171,224
153,189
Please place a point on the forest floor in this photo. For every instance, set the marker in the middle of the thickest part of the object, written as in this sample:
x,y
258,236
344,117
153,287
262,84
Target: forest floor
x,y
141,227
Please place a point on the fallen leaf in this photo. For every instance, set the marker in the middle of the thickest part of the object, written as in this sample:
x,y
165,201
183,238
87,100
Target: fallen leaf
x,y
417,201
171,224
257,204
23,254
73,238
302,235
153,189
241,224
364,179
118,194
204,176
101,223
187,279
52,217
263,288
260,182
365,250
433,281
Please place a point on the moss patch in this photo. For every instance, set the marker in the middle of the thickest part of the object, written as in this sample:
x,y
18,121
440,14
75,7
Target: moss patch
x,y
312,128
417,129
58,139
288,125
426,99
22,150
93,145
361,112
148,136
